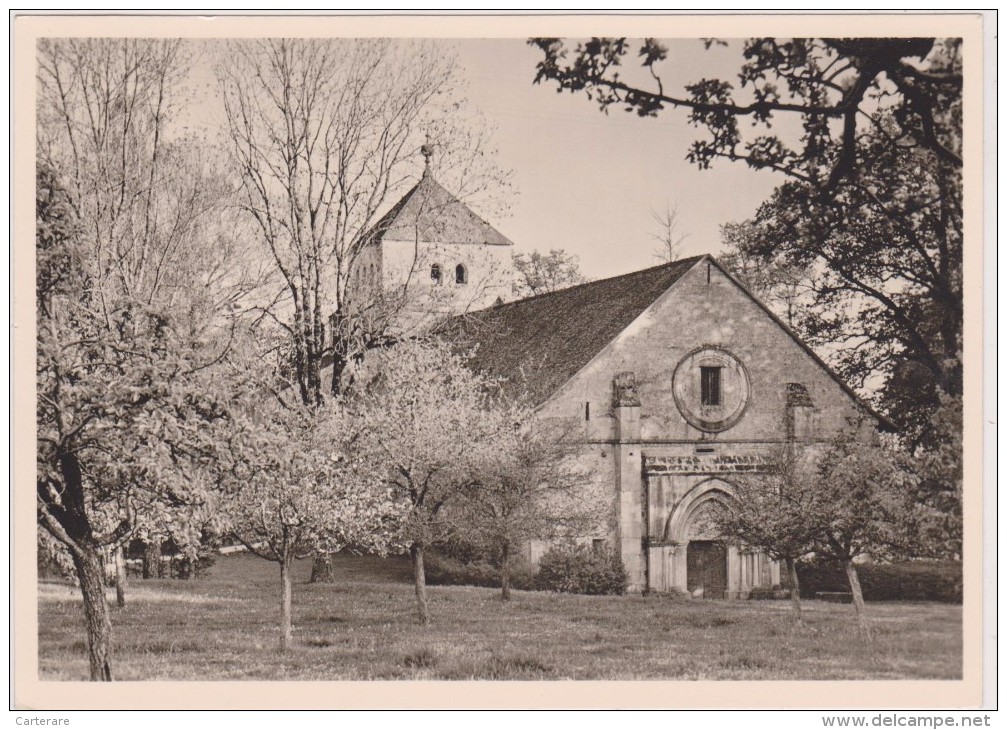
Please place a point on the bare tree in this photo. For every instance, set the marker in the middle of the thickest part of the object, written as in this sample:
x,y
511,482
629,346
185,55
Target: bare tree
x,y
667,234
141,194
786,289
541,273
324,134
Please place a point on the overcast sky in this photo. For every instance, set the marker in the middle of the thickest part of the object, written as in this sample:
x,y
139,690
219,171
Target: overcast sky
x,y
582,180
587,182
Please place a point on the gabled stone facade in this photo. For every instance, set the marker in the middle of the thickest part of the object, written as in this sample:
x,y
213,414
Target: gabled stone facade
x,y
678,380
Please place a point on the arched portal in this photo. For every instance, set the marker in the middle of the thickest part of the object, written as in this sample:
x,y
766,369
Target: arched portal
x,y
690,554
706,568
694,517
692,529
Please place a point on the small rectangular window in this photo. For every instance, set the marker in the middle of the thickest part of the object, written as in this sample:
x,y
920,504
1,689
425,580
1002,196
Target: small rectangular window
x,y
587,410
710,386
598,545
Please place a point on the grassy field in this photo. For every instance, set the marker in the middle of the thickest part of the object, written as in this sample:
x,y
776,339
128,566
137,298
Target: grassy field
x,y
224,627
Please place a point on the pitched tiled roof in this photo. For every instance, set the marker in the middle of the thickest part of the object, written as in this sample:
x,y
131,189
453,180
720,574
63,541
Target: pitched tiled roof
x,y
539,343
438,216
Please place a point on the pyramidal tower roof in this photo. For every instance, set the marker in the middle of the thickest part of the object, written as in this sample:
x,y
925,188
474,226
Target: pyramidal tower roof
x,y
431,214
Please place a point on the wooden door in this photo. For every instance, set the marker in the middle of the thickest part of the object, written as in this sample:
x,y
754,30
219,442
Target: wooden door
x,y
706,568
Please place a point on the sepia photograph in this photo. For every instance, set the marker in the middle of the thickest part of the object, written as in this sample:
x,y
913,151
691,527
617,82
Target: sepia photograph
x,y
451,356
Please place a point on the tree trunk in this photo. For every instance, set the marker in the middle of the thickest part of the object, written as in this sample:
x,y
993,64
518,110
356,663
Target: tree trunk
x,y
99,628
340,348
795,591
321,569
420,578
505,572
152,559
120,578
339,364
286,628
858,600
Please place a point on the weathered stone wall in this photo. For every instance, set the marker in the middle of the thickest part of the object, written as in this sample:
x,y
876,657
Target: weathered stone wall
x,y
694,313
487,274
704,311
597,463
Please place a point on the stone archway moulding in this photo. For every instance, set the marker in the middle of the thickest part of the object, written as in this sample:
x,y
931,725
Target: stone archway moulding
x,y
677,524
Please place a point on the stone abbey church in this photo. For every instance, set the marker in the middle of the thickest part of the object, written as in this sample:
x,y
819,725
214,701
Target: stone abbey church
x,y
677,377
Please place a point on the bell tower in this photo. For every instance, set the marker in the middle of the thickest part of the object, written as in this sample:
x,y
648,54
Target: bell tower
x,y
437,253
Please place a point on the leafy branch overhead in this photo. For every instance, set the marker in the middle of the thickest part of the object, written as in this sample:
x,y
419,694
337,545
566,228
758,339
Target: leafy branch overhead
x,y
833,85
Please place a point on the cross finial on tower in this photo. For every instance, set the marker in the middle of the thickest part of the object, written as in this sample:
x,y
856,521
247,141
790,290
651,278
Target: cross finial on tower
x,y
427,150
